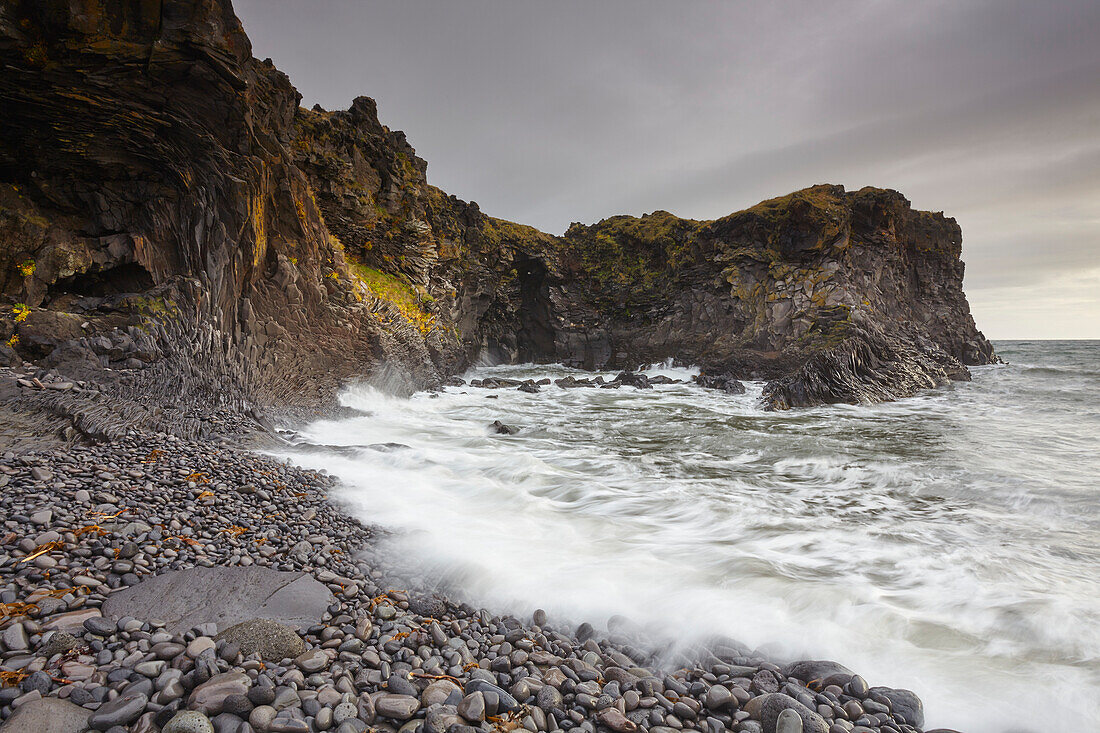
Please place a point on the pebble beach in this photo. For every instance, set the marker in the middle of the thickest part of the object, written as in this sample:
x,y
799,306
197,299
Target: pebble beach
x,y
154,583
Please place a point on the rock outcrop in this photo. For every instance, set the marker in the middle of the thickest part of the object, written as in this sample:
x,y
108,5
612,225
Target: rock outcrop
x,y
175,227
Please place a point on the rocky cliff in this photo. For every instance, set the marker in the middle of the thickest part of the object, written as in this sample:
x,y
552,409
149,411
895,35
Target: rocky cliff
x,y
175,228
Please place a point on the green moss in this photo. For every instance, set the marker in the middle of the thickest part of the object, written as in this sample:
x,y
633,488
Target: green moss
x,y
148,306
630,262
397,293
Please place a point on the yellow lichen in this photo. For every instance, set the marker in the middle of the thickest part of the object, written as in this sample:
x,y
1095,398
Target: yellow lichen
x,y
397,293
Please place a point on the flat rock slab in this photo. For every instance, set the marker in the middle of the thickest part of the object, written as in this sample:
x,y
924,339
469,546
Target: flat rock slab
x,y
225,596
48,715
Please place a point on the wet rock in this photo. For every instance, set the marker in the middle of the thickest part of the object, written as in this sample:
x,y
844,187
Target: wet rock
x,y
312,661
616,721
47,714
437,692
902,702
396,707
15,638
808,671
472,707
208,697
631,379
121,711
721,382
766,709
501,429
507,703
788,721
223,595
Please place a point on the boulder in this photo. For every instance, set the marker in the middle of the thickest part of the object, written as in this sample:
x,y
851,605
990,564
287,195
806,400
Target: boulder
x,y
47,714
223,595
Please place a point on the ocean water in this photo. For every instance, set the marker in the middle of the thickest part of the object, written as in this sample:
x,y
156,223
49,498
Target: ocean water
x,y
948,543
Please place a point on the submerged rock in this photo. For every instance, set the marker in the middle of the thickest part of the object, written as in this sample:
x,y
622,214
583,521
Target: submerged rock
x,y
723,382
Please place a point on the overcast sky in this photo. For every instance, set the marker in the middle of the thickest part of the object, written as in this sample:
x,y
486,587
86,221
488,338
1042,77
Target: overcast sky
x,y
547,112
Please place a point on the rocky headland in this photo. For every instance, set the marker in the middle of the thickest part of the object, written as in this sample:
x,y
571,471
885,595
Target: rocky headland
x,y
177,229
188,257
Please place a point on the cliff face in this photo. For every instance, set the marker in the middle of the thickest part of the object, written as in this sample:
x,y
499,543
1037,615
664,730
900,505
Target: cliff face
x,y
174,225
838,296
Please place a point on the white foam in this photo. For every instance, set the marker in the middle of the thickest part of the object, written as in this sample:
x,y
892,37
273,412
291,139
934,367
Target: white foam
x,y
862,535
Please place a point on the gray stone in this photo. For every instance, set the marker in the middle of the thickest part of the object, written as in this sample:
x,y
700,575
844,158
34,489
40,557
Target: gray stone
x,y
188,721
123,710
437,692
616,721
209,696
48,714
260,717
15,638
472,707
71,622
312,661
766,709
507,702
344,711
199,645
808,670
223,595
100,626
718,698
396,707
788,722
272,640
903,702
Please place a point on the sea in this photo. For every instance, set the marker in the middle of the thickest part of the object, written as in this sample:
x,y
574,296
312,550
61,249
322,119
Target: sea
x,y
948,543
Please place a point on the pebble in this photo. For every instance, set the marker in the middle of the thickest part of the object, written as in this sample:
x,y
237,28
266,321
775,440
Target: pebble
x,y
397,707
312,661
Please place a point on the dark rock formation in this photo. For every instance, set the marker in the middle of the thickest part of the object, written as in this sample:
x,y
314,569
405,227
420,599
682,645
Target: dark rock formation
x,y
723,382
175,228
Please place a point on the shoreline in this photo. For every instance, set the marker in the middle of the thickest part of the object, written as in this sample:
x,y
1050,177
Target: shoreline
x,y
98,520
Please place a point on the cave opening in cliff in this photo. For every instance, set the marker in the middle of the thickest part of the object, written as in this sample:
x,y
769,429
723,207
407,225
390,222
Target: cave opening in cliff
x,y
535,334
129,277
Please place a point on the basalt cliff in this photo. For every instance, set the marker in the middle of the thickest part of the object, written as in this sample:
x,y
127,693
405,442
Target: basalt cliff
x,y
178,231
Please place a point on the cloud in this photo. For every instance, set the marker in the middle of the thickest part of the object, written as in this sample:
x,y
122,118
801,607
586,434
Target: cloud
x,y
553,112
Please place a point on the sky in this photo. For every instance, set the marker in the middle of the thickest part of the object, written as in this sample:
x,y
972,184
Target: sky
x,y
547,112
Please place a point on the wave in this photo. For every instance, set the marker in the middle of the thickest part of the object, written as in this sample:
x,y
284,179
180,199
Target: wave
x,y
940,544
